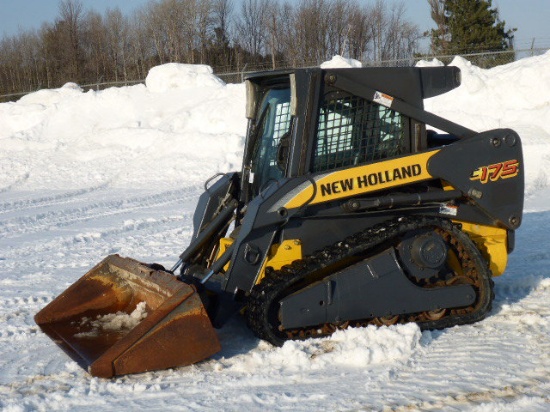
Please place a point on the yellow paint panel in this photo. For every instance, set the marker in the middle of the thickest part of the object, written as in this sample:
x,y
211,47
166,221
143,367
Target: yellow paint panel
x,y
225,242
492,243
282,254
366,178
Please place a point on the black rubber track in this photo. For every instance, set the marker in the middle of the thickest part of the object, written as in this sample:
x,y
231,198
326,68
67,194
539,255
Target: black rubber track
x,y
263,306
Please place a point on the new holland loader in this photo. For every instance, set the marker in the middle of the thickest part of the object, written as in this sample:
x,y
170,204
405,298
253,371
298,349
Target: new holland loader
x,y
354,206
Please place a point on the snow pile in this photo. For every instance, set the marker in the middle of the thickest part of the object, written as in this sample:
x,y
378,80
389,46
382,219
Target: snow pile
x,y
185,125
354,347
515,96
339,62
177,76
52,96
119,322
430,63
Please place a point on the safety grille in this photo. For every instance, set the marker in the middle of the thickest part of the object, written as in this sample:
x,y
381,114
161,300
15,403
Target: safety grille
x,y
282,122
276,122
354,131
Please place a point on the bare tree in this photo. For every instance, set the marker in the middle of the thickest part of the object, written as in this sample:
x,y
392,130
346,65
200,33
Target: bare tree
x,y
172,26
152,17
204,22
96,44
359,38
11,62
251,27
273,35
118,42
70,12
311,29
27,45
392,36
222,11
93,47
339,27
142,48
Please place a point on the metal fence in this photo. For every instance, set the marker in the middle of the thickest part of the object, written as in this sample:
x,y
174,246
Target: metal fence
x,y
478,59
90,86
475,58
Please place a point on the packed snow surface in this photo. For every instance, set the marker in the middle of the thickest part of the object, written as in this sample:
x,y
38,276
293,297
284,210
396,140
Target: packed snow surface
x,y
84,174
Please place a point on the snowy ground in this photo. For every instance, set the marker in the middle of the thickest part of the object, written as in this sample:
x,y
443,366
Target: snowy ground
x,y
87,174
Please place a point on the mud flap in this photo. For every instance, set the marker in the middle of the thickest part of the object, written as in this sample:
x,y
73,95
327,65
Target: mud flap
x,y
123,317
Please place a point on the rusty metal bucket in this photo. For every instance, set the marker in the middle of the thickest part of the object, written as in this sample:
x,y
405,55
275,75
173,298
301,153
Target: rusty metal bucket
x,y
124,317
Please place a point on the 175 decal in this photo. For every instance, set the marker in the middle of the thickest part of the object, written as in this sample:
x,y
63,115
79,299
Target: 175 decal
x,y
502,170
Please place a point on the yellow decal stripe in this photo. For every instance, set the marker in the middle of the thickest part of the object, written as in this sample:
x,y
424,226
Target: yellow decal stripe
x,y
365,179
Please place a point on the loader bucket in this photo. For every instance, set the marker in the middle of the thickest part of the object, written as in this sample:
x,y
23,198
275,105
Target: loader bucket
x,y
124,317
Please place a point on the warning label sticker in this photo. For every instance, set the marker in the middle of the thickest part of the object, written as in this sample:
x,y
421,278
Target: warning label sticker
x,y
383,99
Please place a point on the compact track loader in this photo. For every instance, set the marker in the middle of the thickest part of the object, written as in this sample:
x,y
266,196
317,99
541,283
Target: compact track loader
x,y
354,206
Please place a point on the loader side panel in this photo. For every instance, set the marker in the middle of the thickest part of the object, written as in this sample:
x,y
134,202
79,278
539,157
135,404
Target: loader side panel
x,y
256,236
361,180
489,169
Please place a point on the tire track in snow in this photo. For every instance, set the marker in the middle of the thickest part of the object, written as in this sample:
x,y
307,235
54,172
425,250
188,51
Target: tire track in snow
x,y
532,388
66,217
44,201
94,241
44,391
35,371
25,349
17,182
505,357
81,250
17,318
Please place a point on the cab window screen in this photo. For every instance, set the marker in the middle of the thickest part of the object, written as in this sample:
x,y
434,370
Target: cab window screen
x,y
353,131
275,121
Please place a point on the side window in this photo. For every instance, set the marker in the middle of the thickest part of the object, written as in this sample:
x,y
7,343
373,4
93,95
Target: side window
x,y
282,121
275,120
353,131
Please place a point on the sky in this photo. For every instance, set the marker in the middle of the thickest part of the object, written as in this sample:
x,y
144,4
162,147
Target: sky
x,y
530,17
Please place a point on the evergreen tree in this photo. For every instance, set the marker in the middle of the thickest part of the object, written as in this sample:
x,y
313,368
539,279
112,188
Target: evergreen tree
x,y
470,26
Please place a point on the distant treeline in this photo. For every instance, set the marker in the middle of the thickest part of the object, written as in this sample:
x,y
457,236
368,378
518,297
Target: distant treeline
x,y
230,35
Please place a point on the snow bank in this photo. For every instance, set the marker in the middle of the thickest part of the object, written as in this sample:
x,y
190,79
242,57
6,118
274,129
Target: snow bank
x,y
52,96
339,62
430,63
176,76
186,124
516,96
354,347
